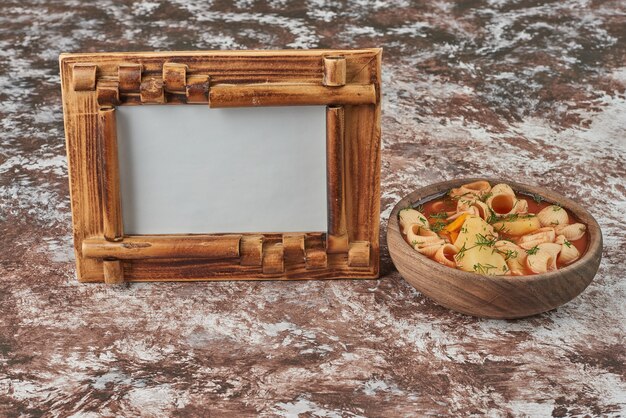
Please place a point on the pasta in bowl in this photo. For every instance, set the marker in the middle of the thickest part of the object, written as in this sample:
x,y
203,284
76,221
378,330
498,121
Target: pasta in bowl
x,y
494,248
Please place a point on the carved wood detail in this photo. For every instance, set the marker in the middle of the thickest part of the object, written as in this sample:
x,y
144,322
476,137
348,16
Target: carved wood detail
x,y
347,81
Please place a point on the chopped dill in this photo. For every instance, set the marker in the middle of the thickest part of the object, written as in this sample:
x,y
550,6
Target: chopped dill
x,y
461,253
440,215
500,229
567,244
484,197
437,226
510,218
556,208
538,199
493,218
483,268
508,254
485,241
533,250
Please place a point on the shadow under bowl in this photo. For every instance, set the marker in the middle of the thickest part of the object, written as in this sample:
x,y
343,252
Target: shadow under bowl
x,y
502,297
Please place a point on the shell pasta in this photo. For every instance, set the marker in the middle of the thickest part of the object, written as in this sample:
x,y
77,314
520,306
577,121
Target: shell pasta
x,y
492,230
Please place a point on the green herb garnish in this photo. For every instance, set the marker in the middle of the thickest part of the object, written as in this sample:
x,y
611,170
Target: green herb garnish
x,y
461,253
508,254
483,268
500,229
493,218
485,241
440,215
437,226
510,218
533,250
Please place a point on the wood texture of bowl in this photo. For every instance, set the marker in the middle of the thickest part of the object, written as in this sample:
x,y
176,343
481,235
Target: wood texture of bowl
x,y
494,296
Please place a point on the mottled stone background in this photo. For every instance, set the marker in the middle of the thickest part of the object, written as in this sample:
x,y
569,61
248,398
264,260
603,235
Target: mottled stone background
x,y
527,89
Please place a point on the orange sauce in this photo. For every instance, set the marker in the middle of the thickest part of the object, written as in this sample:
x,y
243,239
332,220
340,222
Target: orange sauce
x,y
435,210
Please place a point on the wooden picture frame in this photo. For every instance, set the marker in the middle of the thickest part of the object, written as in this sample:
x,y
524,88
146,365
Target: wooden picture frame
x,y
347,82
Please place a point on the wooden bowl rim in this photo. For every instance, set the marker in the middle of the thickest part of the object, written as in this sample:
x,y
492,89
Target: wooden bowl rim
x,y
594,245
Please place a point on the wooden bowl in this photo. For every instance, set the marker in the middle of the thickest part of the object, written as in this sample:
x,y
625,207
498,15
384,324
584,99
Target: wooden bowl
x,y
494,296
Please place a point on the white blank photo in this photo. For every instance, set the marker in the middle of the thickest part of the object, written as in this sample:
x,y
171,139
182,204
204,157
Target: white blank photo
x,y
191,169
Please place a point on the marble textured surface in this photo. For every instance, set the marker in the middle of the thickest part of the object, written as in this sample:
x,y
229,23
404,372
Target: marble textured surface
x,y
527,89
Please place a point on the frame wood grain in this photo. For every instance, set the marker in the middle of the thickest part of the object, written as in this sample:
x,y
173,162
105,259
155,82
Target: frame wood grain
x,y
346,81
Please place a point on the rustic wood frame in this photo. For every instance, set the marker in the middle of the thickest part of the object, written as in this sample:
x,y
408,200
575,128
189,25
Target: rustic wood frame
x,y
346,81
